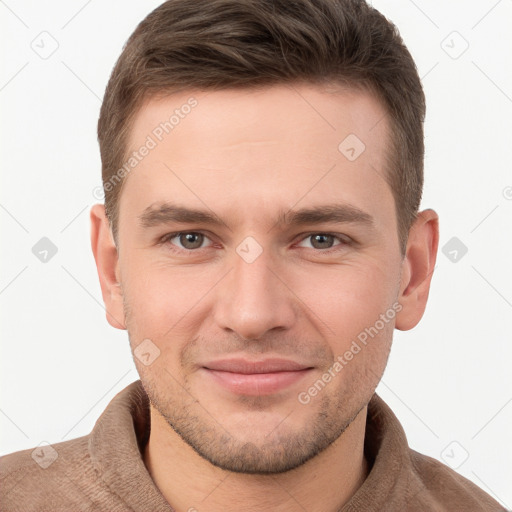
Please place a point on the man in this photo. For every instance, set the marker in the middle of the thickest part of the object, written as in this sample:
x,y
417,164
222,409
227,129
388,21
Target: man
x,y
260,241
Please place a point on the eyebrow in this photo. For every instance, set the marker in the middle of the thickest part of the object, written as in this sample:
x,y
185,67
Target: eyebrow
x,y
166,213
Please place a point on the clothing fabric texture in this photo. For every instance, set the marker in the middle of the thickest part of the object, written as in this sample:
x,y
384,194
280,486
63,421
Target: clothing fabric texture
x,y
105,470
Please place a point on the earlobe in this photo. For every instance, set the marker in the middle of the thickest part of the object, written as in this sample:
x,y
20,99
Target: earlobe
x,y
107,264
417,269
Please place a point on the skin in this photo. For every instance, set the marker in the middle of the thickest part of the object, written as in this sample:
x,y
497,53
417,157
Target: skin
x,y
246,156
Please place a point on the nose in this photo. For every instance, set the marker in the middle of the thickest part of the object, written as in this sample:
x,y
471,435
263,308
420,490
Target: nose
x,y
254,299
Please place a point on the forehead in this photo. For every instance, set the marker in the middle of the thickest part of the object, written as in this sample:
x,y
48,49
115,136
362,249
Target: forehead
x,y
270,146
295,110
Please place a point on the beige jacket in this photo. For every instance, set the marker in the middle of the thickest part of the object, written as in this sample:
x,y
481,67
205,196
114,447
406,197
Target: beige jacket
x,y
104,471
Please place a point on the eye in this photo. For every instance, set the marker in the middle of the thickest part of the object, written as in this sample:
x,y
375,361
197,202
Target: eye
x,y
324,241
186,240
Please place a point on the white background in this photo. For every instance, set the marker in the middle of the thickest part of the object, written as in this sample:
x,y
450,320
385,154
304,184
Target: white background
x,y
61,363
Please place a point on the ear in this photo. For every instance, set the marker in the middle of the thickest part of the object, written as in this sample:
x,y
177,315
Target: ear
x,y
417,269
107,263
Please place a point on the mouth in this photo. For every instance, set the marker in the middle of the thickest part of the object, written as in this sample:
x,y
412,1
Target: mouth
x,y
256,378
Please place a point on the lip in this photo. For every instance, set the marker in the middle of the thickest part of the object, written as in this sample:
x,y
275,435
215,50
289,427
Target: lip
x,y
256,378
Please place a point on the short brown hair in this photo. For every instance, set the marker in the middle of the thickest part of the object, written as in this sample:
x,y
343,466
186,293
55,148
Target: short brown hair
x,y
220,44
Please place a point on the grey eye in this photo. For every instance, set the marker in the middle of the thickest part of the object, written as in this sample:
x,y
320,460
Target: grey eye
x,y
322,241
190,240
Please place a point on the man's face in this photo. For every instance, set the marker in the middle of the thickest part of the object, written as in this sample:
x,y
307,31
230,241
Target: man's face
x,y
250,311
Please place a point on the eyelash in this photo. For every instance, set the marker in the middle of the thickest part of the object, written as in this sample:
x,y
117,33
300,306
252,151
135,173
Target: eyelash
x,y
343,239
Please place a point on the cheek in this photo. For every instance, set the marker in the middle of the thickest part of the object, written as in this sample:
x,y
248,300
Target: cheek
x,y
359,338
348,301
161,297
163,309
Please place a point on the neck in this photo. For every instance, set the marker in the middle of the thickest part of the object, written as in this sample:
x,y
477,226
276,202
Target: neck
x,y
190,483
